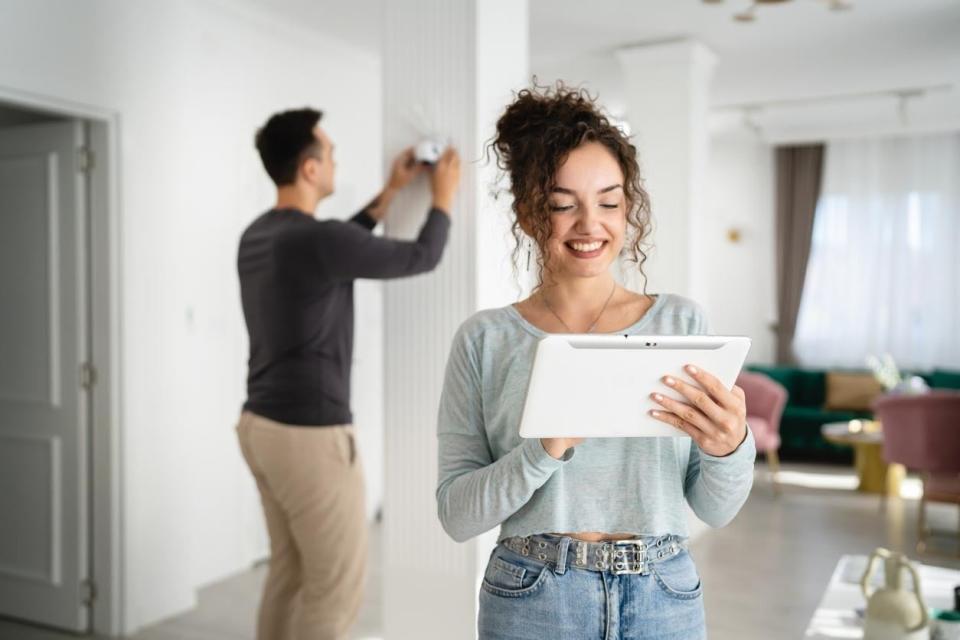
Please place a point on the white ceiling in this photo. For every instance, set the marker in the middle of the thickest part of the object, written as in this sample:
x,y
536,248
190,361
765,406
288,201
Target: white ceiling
x,y
794,49
559,26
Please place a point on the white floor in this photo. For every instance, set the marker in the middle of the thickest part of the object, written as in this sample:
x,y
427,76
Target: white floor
x,y
763,574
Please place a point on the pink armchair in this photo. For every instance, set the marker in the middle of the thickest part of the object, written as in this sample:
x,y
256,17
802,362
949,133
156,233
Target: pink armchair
x,y
765,402
922,432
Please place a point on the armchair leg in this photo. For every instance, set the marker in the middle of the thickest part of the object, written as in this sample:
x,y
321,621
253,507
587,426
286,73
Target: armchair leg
x,y
922,518
773,460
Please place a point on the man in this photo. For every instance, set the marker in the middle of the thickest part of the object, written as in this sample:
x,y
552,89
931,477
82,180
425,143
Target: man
x,y
296,282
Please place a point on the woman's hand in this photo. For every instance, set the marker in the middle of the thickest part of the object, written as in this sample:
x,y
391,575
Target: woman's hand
x,y
715,418
556,447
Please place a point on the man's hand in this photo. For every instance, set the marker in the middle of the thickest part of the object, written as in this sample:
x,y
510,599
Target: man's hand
x,y
715,418
446,179
404,169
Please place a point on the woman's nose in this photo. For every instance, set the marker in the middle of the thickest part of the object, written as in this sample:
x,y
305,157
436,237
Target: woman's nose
x,y
588,219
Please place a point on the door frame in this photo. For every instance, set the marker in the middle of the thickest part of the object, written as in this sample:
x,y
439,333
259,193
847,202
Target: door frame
x,y
105,530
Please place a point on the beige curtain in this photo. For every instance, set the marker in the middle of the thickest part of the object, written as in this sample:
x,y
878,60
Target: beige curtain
x,y
799,172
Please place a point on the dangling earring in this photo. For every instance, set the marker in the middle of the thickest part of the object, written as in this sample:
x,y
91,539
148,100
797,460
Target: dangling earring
x,y
529,248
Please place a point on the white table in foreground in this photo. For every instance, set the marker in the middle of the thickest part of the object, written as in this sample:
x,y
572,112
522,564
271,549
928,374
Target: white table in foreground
x,y
836,617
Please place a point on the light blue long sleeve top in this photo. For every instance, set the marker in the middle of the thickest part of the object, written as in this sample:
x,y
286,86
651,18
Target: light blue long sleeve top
x,y
489,475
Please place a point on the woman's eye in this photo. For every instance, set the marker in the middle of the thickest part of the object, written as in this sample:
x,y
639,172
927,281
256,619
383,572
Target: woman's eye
x,y
561,207
610,206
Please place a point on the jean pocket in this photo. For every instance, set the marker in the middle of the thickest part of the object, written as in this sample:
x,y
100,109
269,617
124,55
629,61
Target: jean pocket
x,y
509,579
678,577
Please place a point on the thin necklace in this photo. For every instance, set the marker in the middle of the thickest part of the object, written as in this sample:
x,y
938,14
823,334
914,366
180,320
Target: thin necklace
x,y
592,326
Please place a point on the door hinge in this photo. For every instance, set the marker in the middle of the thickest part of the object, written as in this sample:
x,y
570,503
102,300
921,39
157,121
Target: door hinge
x,y
84,159
88,376
88,592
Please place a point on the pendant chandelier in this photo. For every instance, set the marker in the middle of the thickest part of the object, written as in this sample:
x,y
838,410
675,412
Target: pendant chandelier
x,y
750,13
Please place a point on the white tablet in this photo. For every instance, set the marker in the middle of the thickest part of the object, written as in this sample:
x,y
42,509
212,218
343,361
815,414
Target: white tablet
x,y
599,386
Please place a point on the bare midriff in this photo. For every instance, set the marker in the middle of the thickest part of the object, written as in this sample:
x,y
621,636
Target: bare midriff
x,y
596,536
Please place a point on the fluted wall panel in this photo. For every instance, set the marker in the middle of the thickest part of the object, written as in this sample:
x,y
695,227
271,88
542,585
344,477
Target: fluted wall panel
x,y
430,86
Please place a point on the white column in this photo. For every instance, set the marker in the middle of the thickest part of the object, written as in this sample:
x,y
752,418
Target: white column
x,y
448,67
667,89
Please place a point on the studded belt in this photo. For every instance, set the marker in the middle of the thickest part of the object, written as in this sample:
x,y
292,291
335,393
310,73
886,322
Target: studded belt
x,y
617,556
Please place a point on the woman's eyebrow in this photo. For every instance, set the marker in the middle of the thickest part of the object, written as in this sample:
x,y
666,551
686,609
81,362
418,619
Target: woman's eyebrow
x,y
572,192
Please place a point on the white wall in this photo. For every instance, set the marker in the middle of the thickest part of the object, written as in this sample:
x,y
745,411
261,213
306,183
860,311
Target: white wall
x,y
667,88
738,279
191,81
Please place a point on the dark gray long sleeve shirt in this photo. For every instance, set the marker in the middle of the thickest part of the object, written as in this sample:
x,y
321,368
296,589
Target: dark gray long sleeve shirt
x,y
296,284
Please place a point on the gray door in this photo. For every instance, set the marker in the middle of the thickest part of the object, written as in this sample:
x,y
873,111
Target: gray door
x,y
43,404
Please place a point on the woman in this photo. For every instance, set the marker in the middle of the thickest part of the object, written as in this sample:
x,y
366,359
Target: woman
x,y
592,538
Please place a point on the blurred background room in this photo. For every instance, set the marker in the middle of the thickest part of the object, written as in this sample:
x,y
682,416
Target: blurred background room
x,y
803,162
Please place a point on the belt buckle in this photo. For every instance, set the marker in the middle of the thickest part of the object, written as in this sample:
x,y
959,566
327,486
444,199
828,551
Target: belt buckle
x,y
629,557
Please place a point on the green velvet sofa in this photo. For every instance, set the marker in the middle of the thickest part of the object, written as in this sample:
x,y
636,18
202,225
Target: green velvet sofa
x,y
805,414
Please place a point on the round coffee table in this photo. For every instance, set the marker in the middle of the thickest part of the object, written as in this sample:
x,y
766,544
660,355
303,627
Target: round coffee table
x,y
866,438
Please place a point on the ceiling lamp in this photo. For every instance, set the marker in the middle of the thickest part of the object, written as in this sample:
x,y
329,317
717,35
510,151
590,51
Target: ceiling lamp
x,y
750,13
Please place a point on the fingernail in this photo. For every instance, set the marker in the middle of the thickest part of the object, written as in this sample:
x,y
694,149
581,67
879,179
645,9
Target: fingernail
x,y
655,413
657,397
692,369
668,380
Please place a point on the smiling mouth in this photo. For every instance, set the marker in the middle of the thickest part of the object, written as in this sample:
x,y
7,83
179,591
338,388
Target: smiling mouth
x,y
586,249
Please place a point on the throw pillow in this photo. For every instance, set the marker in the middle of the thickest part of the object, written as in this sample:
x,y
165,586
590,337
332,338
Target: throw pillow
x,y
851,391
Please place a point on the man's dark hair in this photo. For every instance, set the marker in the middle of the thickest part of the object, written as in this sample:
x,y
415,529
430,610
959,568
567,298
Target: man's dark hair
x,y
285,140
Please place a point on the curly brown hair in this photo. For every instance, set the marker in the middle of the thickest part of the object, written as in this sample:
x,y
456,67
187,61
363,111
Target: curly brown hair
x,y
535,135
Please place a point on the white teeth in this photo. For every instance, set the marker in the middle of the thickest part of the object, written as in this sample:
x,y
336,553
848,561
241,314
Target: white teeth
x,y
586,247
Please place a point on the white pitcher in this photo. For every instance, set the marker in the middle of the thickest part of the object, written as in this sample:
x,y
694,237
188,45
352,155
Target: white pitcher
x,y
894,613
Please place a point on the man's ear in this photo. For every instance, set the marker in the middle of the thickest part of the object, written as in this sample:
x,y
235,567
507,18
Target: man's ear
x,y
309,170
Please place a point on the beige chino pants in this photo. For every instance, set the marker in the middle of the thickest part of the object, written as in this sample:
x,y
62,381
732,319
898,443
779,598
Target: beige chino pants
x,y
311,487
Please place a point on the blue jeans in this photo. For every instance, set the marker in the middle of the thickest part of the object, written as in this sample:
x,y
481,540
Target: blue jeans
x,y
522,598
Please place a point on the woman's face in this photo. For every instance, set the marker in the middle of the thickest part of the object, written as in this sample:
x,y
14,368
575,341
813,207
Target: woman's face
x,y
588,213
